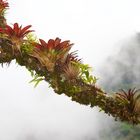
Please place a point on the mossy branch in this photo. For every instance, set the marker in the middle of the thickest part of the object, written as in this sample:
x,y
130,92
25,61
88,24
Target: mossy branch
x,y
52,61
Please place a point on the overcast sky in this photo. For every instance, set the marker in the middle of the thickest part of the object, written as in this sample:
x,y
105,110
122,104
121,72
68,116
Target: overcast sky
x,y
97,28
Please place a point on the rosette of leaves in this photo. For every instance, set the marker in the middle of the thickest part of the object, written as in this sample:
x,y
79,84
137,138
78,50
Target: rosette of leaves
x,y
71,71
3,6
130,99
48,53
16,35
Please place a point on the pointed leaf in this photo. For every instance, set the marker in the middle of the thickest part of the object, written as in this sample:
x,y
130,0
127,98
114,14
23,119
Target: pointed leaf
x,y
25,29
43,43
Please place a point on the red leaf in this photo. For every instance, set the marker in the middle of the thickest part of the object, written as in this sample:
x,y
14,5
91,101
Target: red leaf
x,y
57,41
1,30
16,28
64,44
50,44
43,43
9,30
25,29
26,32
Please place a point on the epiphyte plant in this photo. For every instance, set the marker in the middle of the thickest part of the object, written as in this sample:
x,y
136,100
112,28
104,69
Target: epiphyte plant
x,y
54,62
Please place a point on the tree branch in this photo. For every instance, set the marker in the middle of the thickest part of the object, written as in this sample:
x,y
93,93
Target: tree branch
x,y
65,73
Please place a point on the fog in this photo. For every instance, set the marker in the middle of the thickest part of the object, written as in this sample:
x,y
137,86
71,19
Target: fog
x,y
122,70
33,114
99,29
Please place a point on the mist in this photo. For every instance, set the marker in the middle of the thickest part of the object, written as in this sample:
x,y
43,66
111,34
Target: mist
x,y
29,113
99,29
121,70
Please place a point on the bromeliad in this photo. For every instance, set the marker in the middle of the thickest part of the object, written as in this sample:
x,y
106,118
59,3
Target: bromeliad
x,y
48,53
3,5
16,35
130,99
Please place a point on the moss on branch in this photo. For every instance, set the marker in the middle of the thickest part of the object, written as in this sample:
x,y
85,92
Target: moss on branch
x,y
53,62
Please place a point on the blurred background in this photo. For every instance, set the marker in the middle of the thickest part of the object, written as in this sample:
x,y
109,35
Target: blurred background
x,y
106,35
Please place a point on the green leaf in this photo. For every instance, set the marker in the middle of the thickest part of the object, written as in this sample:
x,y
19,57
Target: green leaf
x,y
37,78
86,74
37,82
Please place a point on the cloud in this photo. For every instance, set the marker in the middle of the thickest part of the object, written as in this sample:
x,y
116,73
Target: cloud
x,y
122,71
39,114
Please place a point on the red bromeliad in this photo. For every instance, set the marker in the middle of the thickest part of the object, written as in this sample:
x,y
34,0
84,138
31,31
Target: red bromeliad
x,y
3,5
16,34
48,53
55,45
66,74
